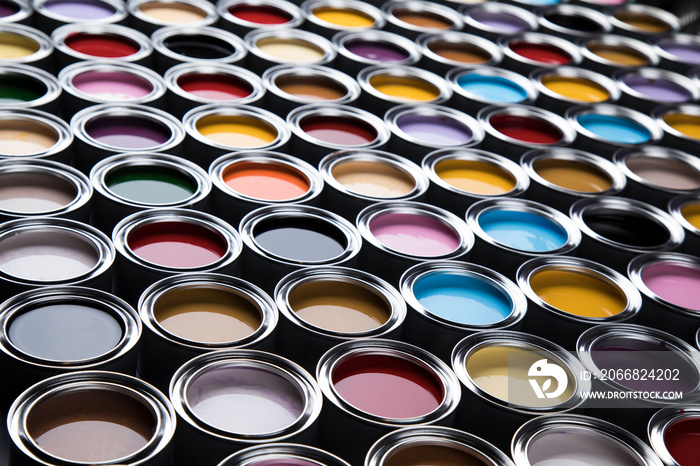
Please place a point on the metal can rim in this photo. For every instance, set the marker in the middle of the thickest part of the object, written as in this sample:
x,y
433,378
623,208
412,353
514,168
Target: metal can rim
x,y
62,129
613,110
403,71
45,43
327,47
621,156
457,37
662,420
53,88
271,74
689,109
669,18
615,40
341,38
59,35
568,132
541,39
513,10
523,82
653,73
573,10
159,37
253,454
24,12
611,86
425,6
675,207
679,38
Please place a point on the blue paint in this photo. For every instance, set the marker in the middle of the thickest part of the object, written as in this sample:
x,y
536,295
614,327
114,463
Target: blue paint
x,y
615,129
526,231
462,298
492,88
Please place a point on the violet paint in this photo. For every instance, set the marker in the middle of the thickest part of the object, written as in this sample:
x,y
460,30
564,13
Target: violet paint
x,y
689,53
414,234
658,89
504,23
434,129
677,283
126,132
80,9
8,9
377,51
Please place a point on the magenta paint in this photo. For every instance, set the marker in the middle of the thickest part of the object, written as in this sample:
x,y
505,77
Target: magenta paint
x,y
377,50
435,129
128,132
678,283
83,10
414,234
658,89
112,85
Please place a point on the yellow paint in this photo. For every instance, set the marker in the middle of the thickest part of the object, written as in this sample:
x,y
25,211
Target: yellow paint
x,y
619,54
19,137
290,50
173,12
579,292
643,22
475,177
16,46
344,17
573,175
237,131
502,371
686,124
691,212
409,89
579,89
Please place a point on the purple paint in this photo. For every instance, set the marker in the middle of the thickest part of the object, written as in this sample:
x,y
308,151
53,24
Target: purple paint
x,y
658,89
504,23
689,53
377,51
434,129
283,461
80,9
676,282
8,9
125,132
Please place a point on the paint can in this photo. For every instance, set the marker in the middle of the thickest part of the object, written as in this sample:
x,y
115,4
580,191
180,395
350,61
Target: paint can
x,y
680,125
573,22
616,229
685,209
671,433
450,299
38,187
373,386
620,359
667,283
360,49
290,86
328,17
568,295
52,14
243,16
568,437
560,88
191,314
186,44
52,251
24,45
149,15
643,21
284,46
443,51
198,83
679,52
523,53
494,370
323,306
512,130
644,89
157,243
76,42
399,234
93,82
217,129
65,329
657,174
610,53
414,17
35,134
357,178
132,182
139,421
231,399
493,20
292,453
280,239
320,129
478,87
460,177
24,86
246,180
16,12
108,129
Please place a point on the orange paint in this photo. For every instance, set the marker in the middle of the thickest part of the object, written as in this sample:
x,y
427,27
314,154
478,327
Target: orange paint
x,y
266,181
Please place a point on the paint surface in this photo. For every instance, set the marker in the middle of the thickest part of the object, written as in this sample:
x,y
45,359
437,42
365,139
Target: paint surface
x,y
689,53
339,306
415,234
682,438
504,23
65,332
245,399
627,228
116,86
530,130
543,53
387,386
377,50
177,245
47,256
33,193
573,175
26,137
80,10
215,86
373,179
13,46
658,89
200,46
575,22
691,212
102,45
422,19
91,426
492,88
434,455
615,129
302,240
207,314
8,8
344,17
501,370
577,292
619,54
460,52
316,88
173,12
675,282
339,130
578,89
407,89
643,22
20,88
128,132
290,50
239,131
260,14
665,172
465,298
688,125
522,230
269,181
435,129
150,184
473,176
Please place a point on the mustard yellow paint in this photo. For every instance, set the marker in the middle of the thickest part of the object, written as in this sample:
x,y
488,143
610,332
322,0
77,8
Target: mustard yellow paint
x,y
237,131
686,124
691,212
409,89
344,17
475,177
16,46
578,89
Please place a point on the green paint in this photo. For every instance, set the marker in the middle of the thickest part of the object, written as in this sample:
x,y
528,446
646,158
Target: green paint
x,y
151,185
15,89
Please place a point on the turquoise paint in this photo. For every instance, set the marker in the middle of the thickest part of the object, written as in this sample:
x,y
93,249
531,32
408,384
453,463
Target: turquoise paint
x,y
492,88
615,129
526,231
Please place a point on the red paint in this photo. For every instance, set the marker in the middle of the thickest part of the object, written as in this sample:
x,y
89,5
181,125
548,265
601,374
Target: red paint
x,y
527,129
388,386
543,53
682,439
102,45
260,14
344,131
215,86
177,244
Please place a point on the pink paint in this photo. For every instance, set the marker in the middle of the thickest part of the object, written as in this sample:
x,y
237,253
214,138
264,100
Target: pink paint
x,y
112,85
678,283
415,234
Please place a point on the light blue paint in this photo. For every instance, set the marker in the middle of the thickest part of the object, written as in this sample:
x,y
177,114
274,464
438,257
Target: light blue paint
x,y
492,88
462,298
526,231
615,129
